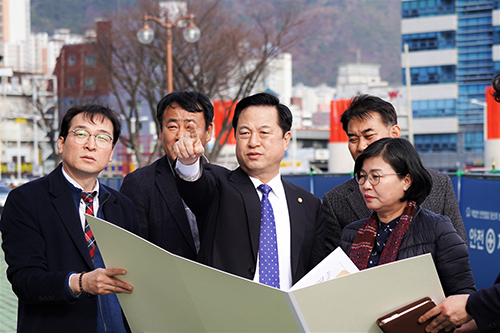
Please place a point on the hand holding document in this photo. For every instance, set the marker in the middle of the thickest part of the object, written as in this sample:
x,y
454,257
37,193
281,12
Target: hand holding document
x,y
173,294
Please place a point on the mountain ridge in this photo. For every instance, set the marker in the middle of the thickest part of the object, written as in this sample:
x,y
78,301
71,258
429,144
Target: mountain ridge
x,y
370,28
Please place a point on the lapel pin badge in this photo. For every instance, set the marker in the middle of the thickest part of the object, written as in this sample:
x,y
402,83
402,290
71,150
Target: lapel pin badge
x,y
299,200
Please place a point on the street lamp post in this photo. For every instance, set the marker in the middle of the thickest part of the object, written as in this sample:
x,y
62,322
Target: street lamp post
x,y
191,34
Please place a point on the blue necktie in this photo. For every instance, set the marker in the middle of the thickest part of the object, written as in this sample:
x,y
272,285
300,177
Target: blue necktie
x,y
268,247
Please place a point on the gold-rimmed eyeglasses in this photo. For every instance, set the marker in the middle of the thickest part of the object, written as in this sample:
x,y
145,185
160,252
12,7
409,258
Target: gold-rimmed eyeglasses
x,y
372,176
101,140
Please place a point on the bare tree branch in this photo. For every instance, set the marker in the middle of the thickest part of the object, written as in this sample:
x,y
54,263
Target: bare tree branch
x,y
226,64
41,99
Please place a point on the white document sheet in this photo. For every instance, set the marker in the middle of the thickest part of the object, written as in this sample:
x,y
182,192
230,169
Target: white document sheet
x,y
335,264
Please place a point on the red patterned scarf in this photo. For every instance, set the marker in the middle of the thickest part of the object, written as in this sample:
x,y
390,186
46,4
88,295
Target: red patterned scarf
x,y
362,246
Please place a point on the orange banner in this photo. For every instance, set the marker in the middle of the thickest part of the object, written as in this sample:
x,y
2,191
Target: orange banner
x,y
338,107
221,112
492,115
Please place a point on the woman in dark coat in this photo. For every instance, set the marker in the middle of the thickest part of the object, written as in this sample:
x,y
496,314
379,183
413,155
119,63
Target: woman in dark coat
x,y
393,183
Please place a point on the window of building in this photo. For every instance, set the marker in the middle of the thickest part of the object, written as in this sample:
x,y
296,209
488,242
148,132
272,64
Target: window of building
x,y
496,34
71,82
474,142
434,108
71,60
472,89
496,67
418,8
431,75
474,21
89,83
90,60
474,56
15,159
430,41
432,143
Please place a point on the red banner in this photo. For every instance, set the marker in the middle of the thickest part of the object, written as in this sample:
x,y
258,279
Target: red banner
x,y
338,107
222,111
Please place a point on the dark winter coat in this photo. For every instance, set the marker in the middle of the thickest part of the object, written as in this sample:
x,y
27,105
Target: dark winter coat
x,y
434,234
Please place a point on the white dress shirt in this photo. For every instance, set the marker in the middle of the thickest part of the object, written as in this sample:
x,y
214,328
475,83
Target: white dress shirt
x,y
277,198
82,206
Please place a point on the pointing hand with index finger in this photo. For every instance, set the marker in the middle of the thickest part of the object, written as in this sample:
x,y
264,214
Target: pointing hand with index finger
x,y
189,148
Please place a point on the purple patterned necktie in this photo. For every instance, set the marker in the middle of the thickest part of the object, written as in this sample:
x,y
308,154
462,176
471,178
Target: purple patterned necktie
x,y
88,198
268,246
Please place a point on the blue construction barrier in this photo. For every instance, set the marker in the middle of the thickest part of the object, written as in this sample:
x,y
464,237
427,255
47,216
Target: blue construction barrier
x,y
303,181
324,183
455,181
318,184
479,206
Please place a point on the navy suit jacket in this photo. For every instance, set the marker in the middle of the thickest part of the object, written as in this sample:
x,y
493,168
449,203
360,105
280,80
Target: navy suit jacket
x,y
228,211
484,306
162,216
43,242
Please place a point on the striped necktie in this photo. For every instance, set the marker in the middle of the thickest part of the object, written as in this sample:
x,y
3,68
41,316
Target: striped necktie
x,y
88,198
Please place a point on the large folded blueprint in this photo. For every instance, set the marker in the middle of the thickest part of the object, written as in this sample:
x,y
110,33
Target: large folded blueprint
x,y
173,294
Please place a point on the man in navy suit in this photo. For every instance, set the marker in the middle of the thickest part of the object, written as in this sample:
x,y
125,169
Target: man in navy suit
x,y
56,270
228,203
164,218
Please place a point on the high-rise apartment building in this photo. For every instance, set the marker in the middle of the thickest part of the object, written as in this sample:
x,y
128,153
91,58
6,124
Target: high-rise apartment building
x,y
24,51
15,20
15,30
454,52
